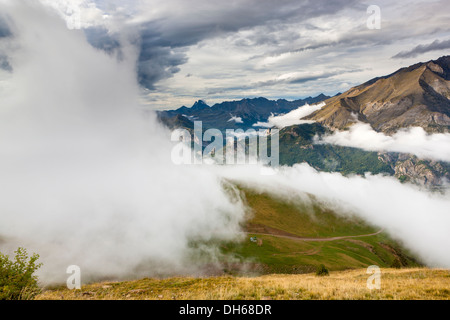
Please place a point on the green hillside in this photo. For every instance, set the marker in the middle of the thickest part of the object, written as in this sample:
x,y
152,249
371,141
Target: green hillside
x,y
297,145
292,237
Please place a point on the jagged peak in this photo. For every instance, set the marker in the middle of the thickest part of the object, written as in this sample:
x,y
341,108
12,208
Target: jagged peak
x,y
199,104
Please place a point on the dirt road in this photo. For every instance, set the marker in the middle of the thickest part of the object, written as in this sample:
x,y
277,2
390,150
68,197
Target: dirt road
x,y
316,239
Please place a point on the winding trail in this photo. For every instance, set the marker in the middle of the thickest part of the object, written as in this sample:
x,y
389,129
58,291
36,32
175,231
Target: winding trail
x,y
316,239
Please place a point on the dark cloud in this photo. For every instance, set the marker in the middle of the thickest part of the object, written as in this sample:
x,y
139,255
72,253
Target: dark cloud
x,y
157,60
4,63
178,24
248,36
423,48
100,38
165,37
205,19
157,63
5,30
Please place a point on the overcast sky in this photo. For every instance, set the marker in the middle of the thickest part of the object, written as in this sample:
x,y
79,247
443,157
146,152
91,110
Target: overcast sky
x,y
224,50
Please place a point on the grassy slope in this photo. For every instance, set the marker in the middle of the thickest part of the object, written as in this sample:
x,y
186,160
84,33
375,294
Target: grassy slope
x,y
326,157
280,254
417,283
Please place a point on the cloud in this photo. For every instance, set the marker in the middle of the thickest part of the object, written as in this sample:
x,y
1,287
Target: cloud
x,y
4,63
101,38
243,63
165,33
415,217
5,31
295,78
216,42
86,178
285,79
423,48
158,63
291,118
236,119
413,140
5,35
263,124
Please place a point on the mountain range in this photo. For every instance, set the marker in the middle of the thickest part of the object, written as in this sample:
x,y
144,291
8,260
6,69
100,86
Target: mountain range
x,y
241,114
415,96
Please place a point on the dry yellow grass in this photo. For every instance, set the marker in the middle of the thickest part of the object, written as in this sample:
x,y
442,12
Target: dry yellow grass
x,y
418,283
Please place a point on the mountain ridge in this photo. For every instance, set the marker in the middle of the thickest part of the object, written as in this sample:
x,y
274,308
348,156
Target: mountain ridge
x,y
245,112
417,95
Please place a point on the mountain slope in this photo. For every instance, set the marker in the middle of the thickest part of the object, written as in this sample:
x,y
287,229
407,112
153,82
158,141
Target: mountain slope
x,y
414,96
298,235
297,145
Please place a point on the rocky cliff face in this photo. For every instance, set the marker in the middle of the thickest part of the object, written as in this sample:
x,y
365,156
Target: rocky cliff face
x,y
409,168
415,96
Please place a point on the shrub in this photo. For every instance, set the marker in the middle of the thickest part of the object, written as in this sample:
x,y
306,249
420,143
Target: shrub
x,y
17,281
322,271
396,264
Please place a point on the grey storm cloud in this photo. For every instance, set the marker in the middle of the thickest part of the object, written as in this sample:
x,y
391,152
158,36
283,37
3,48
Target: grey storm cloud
x,y
4,63
157,63
200,21
5,32
100,38
164,38
423,48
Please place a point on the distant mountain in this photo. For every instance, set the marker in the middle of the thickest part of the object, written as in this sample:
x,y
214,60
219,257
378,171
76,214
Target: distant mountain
x,y
414,96
240,114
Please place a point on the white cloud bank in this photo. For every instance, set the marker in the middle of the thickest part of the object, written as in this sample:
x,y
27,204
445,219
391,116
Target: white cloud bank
x,y
413,140
291,118
236,119
85,178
